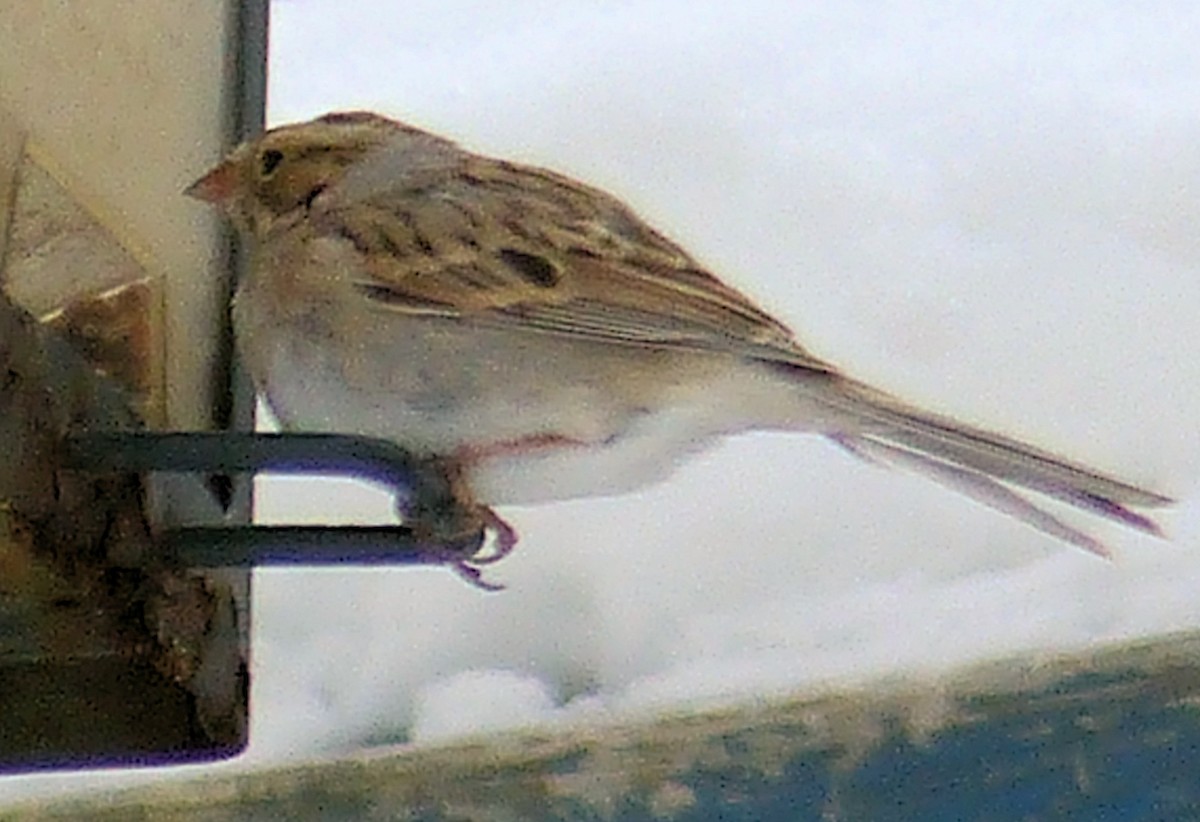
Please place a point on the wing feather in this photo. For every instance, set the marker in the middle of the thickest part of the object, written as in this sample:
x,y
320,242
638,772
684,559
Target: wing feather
x,y
527,249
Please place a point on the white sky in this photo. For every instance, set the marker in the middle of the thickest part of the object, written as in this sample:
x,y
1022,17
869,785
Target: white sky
x,y
993,214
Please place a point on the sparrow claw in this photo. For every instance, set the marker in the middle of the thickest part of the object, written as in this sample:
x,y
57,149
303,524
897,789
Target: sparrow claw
x,y
465,555
454,527
505,539
450,554
473,576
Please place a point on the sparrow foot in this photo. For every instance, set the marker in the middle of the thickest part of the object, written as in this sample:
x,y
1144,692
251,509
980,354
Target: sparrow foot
x,y
487,552
505,538
459,532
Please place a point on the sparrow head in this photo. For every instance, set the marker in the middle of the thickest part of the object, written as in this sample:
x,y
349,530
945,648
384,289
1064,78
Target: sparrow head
x,y
288,168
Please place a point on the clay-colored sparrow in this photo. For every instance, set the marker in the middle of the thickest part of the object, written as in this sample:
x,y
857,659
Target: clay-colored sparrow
x,y
542,341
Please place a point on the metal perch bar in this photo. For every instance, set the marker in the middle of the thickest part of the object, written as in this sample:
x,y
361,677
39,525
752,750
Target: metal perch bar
x,y
418,484
238,452
267,545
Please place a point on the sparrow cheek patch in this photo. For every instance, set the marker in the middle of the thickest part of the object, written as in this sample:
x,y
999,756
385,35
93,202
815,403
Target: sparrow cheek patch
x,y
531,268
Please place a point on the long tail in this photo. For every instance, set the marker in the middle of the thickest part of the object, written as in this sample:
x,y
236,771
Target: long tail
x,y
976,462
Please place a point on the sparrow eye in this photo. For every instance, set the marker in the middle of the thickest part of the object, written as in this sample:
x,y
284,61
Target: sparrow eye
x,y
270,160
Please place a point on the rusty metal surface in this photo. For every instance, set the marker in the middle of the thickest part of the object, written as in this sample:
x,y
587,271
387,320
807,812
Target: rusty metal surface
x,y
78,633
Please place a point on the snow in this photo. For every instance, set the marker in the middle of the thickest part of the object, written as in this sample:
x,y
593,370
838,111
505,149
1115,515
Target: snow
x,y
990,213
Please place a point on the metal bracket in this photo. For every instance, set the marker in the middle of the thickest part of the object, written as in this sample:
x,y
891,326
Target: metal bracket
x,y
422,490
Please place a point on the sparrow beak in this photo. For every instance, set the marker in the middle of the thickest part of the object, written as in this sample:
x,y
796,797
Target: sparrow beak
x,y
218,186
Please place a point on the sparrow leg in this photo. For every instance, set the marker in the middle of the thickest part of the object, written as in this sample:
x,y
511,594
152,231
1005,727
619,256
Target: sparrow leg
x,y
449,525
446,518
455,468
449,517
505,535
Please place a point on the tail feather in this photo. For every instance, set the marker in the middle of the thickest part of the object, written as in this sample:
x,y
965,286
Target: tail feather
x,y
981,488
972,460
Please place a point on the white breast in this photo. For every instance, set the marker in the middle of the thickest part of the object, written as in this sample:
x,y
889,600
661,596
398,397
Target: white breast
x,y
444,388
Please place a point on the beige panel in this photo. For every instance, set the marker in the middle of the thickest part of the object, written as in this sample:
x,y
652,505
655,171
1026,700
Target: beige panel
x,y
127,163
